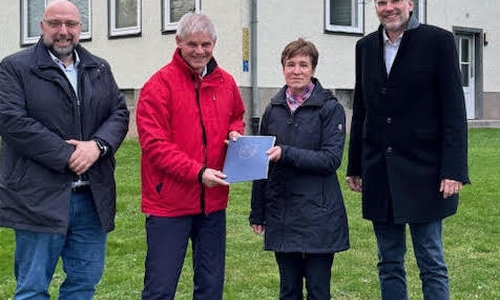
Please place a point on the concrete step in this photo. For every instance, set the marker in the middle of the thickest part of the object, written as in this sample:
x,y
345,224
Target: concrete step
x,y
483,123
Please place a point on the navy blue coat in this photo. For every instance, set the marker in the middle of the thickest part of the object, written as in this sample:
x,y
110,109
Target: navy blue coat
x,y
409,128
38,112
301,203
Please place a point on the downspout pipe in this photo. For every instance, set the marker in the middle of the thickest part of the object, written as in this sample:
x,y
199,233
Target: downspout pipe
x,y
253,67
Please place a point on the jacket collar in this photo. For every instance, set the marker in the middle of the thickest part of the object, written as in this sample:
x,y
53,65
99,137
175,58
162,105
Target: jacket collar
x,y
44,61
316,99
181,63
413,23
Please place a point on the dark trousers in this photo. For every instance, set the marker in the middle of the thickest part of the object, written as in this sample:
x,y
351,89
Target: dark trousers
x,y
314,268
167,240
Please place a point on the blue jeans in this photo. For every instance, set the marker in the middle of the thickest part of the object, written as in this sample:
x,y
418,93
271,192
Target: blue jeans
x,y
429,254
167,240
82,251
316,269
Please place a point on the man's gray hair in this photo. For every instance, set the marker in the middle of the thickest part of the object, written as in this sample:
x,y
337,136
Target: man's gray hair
x,y
194,22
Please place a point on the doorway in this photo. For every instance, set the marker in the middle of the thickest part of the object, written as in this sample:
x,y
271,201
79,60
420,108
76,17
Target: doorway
x,y
469,48
466,51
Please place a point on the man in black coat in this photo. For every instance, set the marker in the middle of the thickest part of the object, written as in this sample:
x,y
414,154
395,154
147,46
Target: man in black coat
x,y
408,143
62,117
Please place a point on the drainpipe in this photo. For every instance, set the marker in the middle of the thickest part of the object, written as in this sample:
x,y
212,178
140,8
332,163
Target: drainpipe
x,y
253,67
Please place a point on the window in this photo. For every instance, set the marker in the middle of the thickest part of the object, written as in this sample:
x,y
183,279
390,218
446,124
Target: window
x,y
32,13
344,16
173,10
124,17
419,10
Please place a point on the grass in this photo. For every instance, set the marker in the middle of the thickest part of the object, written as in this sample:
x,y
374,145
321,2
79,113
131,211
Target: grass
x,y
472,240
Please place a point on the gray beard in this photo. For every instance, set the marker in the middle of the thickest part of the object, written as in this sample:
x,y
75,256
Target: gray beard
x,y
62,53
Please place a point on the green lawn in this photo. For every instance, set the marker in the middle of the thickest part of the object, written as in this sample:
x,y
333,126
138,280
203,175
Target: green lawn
x,y
472,240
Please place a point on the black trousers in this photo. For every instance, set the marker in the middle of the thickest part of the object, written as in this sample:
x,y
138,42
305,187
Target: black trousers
x,y
167,240
315,269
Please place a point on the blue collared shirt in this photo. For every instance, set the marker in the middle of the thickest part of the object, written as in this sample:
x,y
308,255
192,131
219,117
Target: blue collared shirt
x,y
390,50
71,71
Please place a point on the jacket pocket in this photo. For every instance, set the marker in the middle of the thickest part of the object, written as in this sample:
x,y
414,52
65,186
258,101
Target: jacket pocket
x,y
29,175
158,187
17,174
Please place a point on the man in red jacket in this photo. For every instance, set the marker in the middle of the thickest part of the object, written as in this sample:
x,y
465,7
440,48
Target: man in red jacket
x,y
186,112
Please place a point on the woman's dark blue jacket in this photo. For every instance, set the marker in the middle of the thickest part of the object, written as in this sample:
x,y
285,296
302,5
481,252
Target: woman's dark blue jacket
x,y
301,203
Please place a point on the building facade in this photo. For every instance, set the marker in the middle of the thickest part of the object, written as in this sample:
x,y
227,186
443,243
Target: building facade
x,y
137,38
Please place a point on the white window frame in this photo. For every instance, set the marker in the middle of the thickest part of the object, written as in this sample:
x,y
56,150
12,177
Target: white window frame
x,y
357,14
26,39
170,25
124,31
422,10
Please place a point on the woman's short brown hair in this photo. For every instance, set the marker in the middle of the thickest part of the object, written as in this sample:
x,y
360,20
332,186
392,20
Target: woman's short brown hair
x,y
300,47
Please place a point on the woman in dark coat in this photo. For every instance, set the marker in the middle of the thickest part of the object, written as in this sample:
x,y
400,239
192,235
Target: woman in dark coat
x,y
300,206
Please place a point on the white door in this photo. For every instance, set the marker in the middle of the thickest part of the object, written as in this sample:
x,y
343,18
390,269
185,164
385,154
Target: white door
x,y
466,53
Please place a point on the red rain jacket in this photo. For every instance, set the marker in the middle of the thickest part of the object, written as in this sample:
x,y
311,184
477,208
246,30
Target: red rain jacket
x,y
182,122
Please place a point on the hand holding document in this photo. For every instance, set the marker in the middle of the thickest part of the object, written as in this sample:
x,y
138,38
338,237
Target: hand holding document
x,y
246,158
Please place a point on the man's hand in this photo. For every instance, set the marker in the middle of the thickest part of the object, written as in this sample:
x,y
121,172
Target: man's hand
x,y
85,155
232,136
257,229
354,183
212,177
449,187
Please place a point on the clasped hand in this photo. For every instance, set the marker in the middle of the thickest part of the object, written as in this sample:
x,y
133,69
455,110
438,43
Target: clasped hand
x,y
85,155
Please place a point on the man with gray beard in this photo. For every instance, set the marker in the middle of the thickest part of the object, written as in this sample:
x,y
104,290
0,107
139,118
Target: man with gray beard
x,y
408,144
62,118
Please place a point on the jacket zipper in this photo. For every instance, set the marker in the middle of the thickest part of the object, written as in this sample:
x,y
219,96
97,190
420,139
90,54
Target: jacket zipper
x,y
204,138
79,111
76,95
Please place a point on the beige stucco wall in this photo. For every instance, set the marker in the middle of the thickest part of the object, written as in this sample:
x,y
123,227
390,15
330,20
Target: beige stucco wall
x,y
280,22
482,15
134,59
9,25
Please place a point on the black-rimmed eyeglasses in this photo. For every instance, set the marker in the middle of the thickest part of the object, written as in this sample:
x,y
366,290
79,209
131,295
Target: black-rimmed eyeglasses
x,y
58,24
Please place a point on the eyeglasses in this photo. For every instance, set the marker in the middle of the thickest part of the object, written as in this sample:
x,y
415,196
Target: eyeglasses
x,y
58,24
383,3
